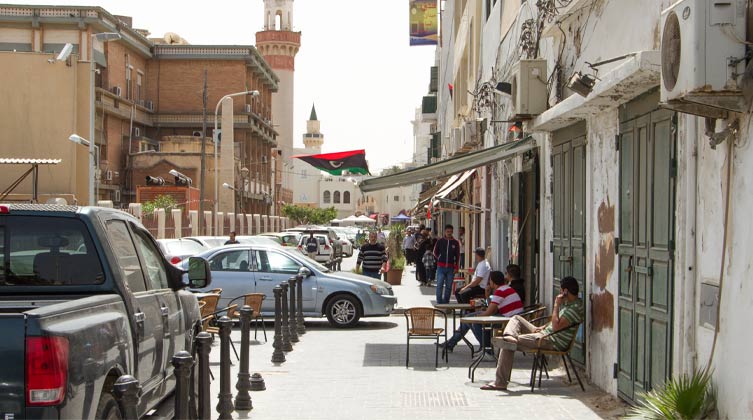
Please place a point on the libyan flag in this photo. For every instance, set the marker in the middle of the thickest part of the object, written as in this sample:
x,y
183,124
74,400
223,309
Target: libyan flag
x,y
353,161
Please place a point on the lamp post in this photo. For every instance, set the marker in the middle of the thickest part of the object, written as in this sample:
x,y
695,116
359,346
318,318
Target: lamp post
x,y
215,138
93,148
227,186
94,163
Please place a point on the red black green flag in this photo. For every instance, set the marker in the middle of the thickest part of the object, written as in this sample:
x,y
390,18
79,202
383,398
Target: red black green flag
x,y
353,161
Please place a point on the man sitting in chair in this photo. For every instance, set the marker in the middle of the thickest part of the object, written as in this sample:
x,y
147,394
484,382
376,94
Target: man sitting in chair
x,y
503,302
521,335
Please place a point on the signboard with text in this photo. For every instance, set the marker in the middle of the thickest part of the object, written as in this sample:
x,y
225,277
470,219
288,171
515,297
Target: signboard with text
x,y
424,22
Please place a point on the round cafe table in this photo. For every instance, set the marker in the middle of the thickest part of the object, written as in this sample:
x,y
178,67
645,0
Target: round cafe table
x,y
486,322
457,308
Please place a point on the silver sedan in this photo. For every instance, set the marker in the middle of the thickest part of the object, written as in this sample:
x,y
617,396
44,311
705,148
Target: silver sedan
x,y
342,297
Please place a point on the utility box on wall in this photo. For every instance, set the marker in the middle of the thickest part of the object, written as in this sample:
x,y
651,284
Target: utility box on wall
x,y
529,92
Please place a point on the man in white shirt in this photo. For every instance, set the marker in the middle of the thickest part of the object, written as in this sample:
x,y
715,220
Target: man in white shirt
x,y
477,287
409,246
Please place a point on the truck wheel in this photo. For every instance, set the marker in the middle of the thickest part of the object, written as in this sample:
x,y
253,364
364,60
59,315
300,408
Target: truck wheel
x,y
343,311
108,408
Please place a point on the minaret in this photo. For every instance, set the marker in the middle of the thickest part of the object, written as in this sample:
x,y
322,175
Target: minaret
x,y
278,44
313,139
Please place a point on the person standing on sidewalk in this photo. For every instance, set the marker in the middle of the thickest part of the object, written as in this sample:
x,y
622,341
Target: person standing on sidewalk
x,y
447,253
461,239
477,287
430,265
409,247
312,246
420,248
373,257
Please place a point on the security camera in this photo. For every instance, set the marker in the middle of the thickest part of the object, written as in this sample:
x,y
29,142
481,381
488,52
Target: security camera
x,y
155,180
180,179
65,52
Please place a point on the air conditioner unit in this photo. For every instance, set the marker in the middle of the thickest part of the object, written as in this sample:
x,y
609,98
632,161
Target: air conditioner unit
x,y
702,47
149,105
116,90
247,108
529,89
196,134
141,102
108,175
116,196
457,138
136,132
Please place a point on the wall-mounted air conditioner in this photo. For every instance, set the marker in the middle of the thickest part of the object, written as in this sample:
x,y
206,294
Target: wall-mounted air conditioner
x,y
116,196
529,93
149,105
136,132
702,48
108,176
116,90
247,108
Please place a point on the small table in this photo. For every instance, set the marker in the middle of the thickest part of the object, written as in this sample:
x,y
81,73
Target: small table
x,y
455,308
485,322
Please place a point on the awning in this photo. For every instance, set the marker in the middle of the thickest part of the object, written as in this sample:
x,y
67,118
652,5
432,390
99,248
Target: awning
x,y
445,192
447,167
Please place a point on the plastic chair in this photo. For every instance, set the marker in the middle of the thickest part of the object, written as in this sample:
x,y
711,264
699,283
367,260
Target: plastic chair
x,y
420,324
254,300
539,358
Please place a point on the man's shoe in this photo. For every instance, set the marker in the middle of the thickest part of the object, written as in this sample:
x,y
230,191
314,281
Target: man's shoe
x,y
446,346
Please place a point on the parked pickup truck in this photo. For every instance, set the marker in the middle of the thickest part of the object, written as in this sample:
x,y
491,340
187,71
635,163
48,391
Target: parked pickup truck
x,y
85,297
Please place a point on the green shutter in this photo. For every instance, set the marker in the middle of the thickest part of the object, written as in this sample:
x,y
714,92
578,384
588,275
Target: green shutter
x,y
429,104
434,80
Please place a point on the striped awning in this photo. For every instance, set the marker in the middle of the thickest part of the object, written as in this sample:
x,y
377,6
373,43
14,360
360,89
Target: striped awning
x,y
21,161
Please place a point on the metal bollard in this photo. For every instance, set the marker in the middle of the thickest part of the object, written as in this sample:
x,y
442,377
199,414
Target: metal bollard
x,y
182,362
293,316
225,403
257,382
287,345
300,328
203,347
243,399
127,392
277,355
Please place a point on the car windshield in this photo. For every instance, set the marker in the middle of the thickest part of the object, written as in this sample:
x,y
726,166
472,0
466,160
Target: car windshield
x,y
47,251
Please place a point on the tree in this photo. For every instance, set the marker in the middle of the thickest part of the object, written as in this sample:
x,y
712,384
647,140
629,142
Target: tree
x,y
303,215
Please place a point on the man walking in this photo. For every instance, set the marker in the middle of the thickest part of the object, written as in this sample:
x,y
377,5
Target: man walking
x,y
409,246
373,257
312,246
447,254
231,240
477,287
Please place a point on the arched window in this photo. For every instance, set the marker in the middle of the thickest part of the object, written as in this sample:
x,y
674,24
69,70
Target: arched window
x,y
327,197
337,197
278,21
346,197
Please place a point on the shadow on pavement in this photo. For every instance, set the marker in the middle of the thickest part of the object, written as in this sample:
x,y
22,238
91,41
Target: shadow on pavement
x,y
323,325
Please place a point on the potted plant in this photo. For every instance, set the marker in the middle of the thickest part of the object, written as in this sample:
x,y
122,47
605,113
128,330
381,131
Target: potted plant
x,y
690,396
395,252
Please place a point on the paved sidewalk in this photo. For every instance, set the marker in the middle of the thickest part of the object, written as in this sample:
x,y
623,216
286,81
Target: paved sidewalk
x,y
360,374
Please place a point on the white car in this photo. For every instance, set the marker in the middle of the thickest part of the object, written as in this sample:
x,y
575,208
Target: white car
x,y
347,247
324,254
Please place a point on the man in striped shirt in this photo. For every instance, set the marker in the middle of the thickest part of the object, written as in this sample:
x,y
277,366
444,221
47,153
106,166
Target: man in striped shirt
x,y
372,256
521,335
503,302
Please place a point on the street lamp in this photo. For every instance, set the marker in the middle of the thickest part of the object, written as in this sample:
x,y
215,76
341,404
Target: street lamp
x,y
251,93
93,151
94,163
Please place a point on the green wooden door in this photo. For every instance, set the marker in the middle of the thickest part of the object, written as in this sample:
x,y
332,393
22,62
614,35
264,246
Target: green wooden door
x,y
569,201
646,233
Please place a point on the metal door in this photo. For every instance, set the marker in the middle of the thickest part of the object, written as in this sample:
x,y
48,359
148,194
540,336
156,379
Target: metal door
x,y
569,222
646,247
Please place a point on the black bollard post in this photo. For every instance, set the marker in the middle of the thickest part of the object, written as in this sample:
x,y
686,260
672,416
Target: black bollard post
x,y
293,317
203,347
277,355
243,399
287,346
182,362
126,392
225,403
300,328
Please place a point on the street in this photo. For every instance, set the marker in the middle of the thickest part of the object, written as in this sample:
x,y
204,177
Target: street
x,y
360,374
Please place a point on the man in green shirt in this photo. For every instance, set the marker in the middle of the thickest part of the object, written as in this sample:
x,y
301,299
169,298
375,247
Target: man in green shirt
x,y
521,335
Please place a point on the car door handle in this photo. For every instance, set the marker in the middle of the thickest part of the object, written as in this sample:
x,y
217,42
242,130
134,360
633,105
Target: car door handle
x,y
265,278
165,311
140,317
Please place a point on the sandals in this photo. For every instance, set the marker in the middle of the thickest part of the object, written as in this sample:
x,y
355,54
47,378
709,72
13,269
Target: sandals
x,y
492,387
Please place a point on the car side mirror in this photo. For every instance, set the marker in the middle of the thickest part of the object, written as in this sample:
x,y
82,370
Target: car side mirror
x,y
199,274
304,272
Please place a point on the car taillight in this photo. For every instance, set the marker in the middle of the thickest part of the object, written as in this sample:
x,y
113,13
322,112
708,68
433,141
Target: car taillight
x,y
175,260
46,370
326,247
4,210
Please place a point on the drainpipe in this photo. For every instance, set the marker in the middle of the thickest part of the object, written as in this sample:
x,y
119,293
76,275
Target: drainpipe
x,y
689,292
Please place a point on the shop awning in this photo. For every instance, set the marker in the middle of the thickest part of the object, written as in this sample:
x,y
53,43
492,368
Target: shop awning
x,y
451,166
445,192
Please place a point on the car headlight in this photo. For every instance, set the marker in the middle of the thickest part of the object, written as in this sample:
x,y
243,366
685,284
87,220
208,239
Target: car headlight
x,y
380,290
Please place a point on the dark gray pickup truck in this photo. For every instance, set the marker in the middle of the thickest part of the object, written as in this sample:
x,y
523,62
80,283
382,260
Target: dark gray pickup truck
x,y
85,297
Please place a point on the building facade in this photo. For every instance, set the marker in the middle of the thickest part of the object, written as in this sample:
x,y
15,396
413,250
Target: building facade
x,y
583,160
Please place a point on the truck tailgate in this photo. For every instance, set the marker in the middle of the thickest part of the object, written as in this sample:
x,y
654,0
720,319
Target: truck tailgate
x,y
12,377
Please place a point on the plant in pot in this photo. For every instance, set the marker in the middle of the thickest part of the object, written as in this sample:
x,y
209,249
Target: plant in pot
x,y
395,252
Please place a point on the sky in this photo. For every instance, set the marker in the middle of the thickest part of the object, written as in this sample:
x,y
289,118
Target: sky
x,y
355,63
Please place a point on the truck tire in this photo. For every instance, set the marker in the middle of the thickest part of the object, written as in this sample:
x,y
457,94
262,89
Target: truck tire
x,y
108,408
343,311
